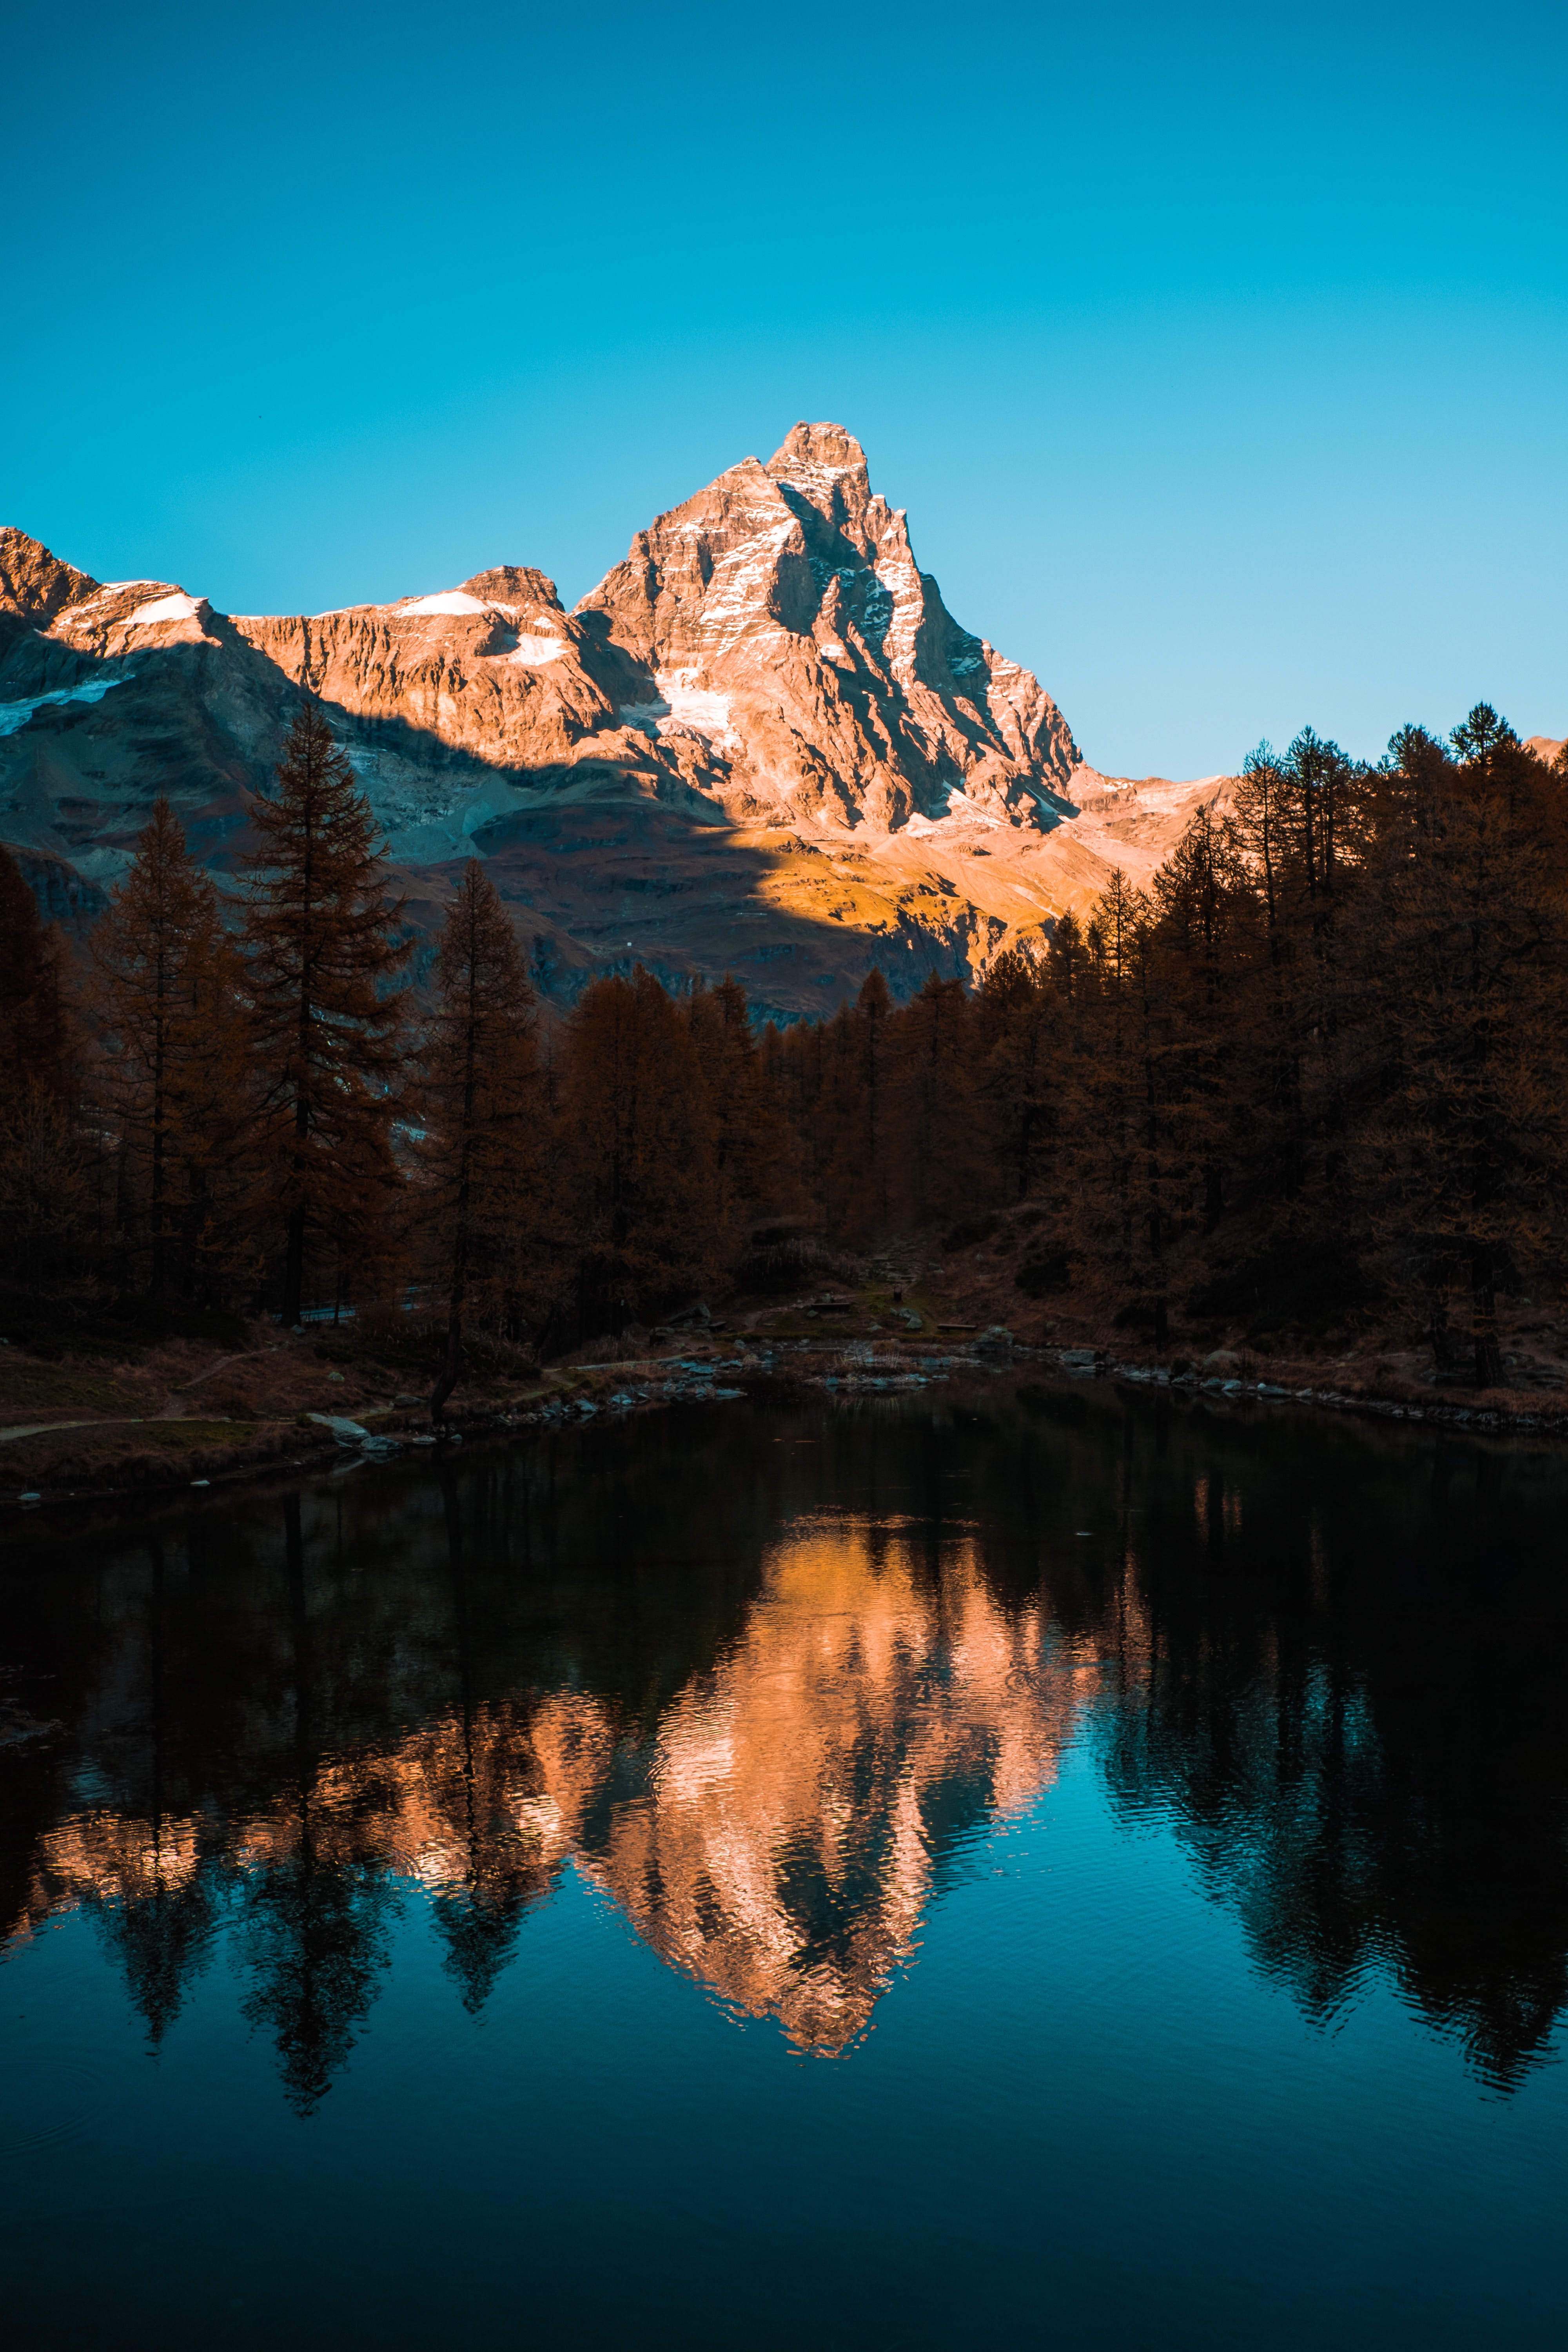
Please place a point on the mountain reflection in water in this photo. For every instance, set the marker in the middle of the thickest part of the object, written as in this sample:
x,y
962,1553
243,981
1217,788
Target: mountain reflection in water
x,y
769,1683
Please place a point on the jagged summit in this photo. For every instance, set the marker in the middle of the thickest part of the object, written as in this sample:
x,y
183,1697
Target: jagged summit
x,y
826,466
34,584
789,630
761,741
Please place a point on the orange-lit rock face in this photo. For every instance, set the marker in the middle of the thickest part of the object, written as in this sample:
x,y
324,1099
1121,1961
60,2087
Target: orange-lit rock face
x,y
780,1832
796,645
760,744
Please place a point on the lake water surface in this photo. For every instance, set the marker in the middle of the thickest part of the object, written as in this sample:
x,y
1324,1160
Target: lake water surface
x,y
1045,1866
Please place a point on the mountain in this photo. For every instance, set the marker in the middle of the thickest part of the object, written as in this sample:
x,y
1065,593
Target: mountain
x,y
760,744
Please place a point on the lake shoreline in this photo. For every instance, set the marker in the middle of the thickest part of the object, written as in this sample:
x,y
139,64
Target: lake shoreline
x,y
790,1373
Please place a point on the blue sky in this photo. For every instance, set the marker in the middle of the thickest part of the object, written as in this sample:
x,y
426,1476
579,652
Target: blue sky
x,y
1219,355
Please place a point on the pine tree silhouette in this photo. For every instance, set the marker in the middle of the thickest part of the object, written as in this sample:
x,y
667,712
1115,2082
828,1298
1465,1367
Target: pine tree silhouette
x,y
480,1098
319,934
174,1077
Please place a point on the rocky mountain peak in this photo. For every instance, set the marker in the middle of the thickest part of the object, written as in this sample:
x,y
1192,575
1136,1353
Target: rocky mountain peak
x,y
519,585
825,466
34,584
763,733
787,628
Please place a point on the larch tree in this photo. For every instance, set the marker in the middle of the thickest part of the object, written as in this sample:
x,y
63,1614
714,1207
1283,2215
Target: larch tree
x,y
752,1154
1202,935
46,1213
803,1059
320,935
638,1198
932,1111
1471,994
1014,1042
36,1041
1123,1158
479,1099
167,996
855,1109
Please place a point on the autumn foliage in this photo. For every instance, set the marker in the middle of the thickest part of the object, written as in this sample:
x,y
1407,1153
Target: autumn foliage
x,y
1319,1069
320,943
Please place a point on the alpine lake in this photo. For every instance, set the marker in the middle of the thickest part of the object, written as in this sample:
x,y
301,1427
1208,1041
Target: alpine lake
x,y
1033,1862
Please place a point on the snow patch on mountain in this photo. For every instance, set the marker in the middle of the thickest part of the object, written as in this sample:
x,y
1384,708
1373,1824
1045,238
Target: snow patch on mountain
x,y
689,706
452,600
15,715
177,607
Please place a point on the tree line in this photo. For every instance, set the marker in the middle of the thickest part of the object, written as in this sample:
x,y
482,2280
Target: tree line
x,y
1316,1068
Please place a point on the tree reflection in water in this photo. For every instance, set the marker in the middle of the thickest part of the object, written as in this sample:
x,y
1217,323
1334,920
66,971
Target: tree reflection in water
x,y
764,1680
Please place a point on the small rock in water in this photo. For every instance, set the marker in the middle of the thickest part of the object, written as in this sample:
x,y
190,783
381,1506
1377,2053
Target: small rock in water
x,y
346,1432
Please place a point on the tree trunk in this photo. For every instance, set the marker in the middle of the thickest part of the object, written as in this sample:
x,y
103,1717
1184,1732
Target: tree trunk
x,y
156,1278
294,1262
454,1363
294,1267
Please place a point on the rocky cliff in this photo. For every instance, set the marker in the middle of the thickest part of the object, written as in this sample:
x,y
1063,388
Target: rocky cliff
x,y
761,743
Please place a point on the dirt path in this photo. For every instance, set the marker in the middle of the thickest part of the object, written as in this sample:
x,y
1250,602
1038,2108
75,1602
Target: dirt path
x,y
113,1421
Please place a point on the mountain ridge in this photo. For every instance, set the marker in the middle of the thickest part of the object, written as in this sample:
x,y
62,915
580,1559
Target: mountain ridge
x,y
759,743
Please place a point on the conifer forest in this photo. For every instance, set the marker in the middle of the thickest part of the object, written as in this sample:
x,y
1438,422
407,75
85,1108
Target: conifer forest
x,y
1314,1075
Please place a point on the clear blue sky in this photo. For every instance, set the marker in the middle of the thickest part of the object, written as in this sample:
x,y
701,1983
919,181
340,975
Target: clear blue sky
x,y
1219,354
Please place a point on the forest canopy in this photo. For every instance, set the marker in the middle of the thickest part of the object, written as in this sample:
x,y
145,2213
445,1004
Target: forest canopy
x,y
1314,1072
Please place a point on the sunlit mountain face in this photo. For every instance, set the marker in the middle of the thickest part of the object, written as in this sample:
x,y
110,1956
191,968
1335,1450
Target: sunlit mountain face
x,y
771,1685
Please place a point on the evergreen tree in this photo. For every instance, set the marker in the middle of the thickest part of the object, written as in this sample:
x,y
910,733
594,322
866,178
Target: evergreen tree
x,y
1123,1162
320,942
752,1153
1279,1023
1202,939
479,1099
854,1109
1015,1040
934,1143
806,1055
174,1077
45,1190
638,1198
1468,978
47,1193
36,1039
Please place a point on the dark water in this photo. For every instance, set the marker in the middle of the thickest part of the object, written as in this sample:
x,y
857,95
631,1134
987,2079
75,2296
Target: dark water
x,y
1048,1868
